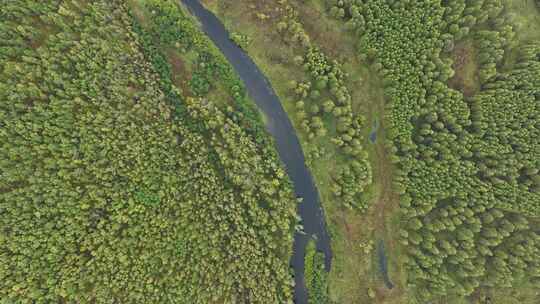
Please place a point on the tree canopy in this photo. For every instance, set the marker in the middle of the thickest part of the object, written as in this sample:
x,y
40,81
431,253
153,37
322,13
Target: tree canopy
x,y
117,187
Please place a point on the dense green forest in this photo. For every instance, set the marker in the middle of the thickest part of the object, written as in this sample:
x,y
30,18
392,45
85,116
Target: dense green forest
x,y
134,168
120,186
468,167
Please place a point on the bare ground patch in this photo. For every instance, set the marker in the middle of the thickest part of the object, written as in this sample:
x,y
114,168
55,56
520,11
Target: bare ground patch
x,y
465,66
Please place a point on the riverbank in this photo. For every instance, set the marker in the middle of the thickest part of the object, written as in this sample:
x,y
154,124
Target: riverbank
x,y
287,144
355,266
211,88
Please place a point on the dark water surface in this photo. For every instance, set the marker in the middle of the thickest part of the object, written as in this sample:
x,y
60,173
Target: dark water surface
x,y
373,133
287,144
383,264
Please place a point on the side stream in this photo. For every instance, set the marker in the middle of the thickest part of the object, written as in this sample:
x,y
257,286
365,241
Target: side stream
x,y
286,141
383,264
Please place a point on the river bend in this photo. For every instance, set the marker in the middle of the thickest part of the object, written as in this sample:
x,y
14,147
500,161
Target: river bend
x,y
287,144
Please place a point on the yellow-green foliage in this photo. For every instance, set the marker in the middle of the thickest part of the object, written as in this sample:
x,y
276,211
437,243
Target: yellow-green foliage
x,y
315,276
108,194
468,169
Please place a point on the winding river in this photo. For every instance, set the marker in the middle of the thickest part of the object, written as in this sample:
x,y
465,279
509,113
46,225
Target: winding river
x,y
286,141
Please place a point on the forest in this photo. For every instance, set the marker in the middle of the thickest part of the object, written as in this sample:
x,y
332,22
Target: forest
x,y
467,165
459,106
136,168
118,186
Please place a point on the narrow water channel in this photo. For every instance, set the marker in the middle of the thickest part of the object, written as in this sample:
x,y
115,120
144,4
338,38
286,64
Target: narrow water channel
x,y
287,144
383,264
373,133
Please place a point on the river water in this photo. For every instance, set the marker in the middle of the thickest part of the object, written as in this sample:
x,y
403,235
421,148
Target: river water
x,y
287,144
